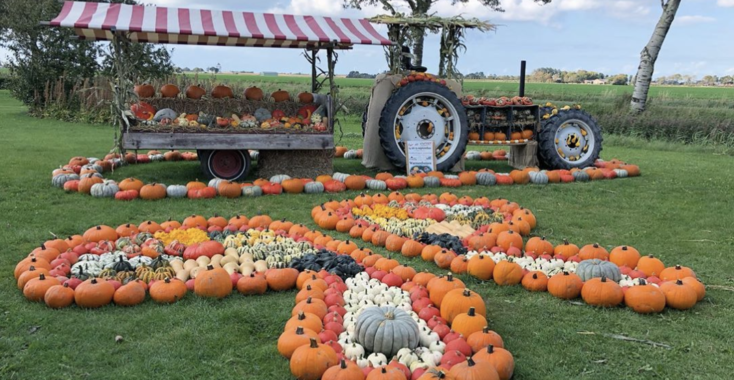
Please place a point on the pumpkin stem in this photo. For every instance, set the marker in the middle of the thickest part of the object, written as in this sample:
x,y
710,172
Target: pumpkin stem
x,y
31,268
535,276
94,280
66,284
299,330
678,267
642,281
677,282
384,370
314,343
471,312
565,242
42,277
490,349
343,364
449,277
167,280
603,278
467,292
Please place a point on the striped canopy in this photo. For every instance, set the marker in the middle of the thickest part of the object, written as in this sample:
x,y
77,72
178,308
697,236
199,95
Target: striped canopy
x,y
97,21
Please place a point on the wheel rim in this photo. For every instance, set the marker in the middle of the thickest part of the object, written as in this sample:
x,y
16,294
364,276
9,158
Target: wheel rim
x,y
575,141
227,164
428,116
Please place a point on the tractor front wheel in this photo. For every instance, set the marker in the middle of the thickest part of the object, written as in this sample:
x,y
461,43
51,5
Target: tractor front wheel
x,y
569,139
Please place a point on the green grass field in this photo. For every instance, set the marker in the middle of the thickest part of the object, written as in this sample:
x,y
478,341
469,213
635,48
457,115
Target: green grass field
x,y
678,210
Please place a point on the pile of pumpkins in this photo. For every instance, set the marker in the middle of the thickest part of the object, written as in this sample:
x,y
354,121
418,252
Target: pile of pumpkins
x,y
85,175
308,116
121,265
498,252
391,323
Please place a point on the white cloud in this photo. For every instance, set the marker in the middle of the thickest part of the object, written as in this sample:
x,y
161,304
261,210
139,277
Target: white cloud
x,y
695,19
725,3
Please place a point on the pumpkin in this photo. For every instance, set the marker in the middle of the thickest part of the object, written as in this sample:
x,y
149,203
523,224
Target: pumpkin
x,y
195,92
458,301
469,322
479,340
252,284
601,292
153,191
280,96
168,290
481,267
386,330
35,289
213,282
229,189
99,233
535,281
650,265
376,184
176,191
252,191
355,182
142,111
697,286
281,279
345,370
486,179
170,91
539,246
59,296
625,256
595,268
222,91
471,370
30,274
677,272
85,184
309,362
411,248
307,320
293,186
510,238
130,294
593,251
291,339
386,373
565,285
144,90
499,358
566,249
645,298
507,272
31,261
438,287
677,295
94,293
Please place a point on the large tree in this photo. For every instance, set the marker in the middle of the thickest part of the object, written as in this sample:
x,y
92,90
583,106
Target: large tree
x,y
649,55
419,8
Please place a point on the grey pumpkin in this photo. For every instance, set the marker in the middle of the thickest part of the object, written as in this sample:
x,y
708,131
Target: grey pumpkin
x,y
252,191
539,178
313,188
61,179
386,330
581,176
486,179
431,181
279,178
376,184
589,269
165,113
106,189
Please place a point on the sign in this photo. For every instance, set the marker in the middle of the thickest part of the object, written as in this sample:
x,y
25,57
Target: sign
x,y
420,156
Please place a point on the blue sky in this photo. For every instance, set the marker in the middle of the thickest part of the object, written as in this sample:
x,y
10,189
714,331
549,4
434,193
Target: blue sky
x,y
598,35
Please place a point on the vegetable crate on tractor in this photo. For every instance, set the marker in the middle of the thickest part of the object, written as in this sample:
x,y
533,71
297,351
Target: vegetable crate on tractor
x,y
423,108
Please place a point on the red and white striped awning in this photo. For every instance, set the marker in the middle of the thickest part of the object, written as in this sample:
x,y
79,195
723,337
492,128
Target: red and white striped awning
x,y
97,21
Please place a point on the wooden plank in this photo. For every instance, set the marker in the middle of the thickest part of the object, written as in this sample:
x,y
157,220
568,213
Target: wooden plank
x,y
152,140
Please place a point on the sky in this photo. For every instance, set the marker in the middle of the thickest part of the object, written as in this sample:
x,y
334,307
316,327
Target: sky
x,y
598,35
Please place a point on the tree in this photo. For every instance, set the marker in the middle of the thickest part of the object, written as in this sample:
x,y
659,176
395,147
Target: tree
x,y
39,55
649,55
709,80
419,8
619,79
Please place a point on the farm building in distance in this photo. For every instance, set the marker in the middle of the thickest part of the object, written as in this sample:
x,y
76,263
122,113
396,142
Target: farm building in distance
x,y
596,81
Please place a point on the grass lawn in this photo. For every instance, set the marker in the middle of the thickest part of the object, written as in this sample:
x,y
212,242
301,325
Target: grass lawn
x,y
679,210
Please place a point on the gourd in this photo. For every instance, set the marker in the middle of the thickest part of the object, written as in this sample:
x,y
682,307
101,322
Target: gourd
x,y
376,184
106,189
484,179
176,191
589,269
252,191
386,330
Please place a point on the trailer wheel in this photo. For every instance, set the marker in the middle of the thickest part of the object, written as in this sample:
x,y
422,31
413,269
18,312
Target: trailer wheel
x,y
424,111
570,139
231,165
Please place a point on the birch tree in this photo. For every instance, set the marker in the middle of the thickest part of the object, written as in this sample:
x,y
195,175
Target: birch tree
x,y
649,55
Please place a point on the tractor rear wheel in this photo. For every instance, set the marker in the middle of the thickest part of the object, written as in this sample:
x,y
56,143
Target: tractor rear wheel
x,y
569,139
424,111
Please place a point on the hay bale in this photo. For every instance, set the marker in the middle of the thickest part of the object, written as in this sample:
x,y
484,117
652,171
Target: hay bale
x,y
295,163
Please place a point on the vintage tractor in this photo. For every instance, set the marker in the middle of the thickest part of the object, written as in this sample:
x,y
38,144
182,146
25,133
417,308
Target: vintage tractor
x,y
423,107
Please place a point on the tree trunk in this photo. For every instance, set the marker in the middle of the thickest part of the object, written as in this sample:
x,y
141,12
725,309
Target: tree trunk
x,y
649,55
418,39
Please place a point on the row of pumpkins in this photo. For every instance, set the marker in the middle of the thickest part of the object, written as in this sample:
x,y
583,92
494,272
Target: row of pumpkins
x,y
218,92
121,265
398,325
501,254
84,175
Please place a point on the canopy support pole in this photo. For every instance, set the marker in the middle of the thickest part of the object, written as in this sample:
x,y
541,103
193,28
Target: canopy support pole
x,y
314,85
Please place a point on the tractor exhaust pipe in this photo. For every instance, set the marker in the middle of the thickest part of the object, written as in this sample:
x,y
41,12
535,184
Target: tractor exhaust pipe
x,y
522,78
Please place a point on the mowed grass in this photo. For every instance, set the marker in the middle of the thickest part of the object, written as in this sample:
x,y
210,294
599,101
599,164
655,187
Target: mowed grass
x,y
679,210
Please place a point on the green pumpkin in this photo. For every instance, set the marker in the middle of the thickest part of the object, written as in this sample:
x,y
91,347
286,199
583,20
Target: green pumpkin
x,y
313,188
122,265
430,181
589,269
252,191
581,176
486,179
386,330
376,184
